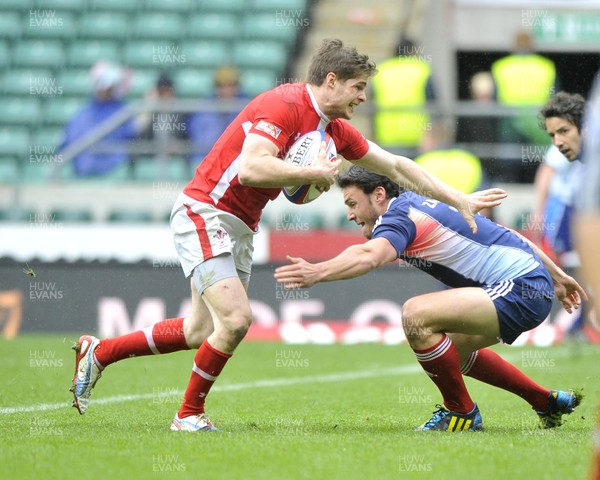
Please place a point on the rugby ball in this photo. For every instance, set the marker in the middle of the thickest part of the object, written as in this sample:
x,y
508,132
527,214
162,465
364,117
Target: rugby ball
x,y
303,153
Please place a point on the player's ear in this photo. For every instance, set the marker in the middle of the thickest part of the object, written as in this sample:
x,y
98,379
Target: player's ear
x,y
380,194
331,79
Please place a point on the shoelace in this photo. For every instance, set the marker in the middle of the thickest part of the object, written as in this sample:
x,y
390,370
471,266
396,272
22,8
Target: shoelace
x,y
437,415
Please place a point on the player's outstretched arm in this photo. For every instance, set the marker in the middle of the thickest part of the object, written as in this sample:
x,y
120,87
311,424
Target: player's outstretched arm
x,y
566,289
352,262
413,177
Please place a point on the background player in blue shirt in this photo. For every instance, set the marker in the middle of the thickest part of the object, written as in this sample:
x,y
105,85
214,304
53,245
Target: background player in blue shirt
x,y
503,286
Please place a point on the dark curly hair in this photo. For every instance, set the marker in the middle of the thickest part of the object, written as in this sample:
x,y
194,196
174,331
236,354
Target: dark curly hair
x,y
367,181
568,106
345,62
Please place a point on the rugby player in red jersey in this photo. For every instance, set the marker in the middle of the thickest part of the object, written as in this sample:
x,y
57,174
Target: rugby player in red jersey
x,y
217,214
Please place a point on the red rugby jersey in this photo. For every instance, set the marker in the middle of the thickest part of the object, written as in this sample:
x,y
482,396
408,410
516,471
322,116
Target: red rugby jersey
x,y
282,115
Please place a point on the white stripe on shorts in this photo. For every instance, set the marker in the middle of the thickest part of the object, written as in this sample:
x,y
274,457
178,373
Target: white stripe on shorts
x,y
500,289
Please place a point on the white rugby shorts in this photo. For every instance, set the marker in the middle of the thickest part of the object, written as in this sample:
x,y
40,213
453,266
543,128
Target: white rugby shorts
x,y
201,231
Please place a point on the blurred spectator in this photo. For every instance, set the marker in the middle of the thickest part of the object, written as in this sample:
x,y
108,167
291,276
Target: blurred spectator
x,y
204,128
403,82
165,126
458,168
481,87
110,83
479,129
556,183
523,79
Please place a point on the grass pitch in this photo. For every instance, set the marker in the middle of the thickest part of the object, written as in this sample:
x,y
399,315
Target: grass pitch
x,y
285,412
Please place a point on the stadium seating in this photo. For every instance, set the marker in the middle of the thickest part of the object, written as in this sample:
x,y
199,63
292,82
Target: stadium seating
x,y
37,172
75,82
260,54
16,214
206,54
83,53
74,5
142,81
48,137
23,81
194,83
150,169
47,48
11,25
38,53
70,215
59,112
278,5
129,216
213,26
19,111
142,53
104,25
9,170
157,25
236,6
183,6
125,6
5,57
61,25
267,26
257,81
14,141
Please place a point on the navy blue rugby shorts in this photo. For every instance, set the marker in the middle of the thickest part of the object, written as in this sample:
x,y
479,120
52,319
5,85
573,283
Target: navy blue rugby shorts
x,y
522,303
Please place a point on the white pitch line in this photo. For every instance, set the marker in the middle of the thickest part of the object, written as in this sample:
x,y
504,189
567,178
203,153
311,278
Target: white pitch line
x,y
276,382
267,383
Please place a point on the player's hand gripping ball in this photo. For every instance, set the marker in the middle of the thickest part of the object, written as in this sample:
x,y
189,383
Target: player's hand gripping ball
x,y
303,153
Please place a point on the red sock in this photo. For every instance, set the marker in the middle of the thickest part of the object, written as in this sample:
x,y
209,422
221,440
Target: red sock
x,y
442,363
487,366
208,364
163,337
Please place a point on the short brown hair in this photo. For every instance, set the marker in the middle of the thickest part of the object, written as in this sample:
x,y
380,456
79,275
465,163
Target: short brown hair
x,y
344,61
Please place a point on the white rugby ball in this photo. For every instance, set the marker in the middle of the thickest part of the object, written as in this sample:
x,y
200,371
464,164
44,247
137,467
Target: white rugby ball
x,y
303,153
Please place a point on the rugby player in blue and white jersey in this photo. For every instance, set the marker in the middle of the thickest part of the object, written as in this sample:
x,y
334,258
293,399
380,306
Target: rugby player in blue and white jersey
x,y
502,285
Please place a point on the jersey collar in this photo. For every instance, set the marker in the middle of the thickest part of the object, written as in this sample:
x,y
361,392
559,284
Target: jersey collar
x,y
316,106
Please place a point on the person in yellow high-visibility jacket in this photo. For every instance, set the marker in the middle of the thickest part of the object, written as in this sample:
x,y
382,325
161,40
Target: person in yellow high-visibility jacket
x,y
455,166
401,90
523,79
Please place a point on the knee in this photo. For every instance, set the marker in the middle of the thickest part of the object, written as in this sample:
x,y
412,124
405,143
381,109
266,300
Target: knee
x,y
196,331
236,325
414,319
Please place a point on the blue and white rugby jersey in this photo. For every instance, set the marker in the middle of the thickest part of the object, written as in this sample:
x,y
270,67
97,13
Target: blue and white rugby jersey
x,y
434,237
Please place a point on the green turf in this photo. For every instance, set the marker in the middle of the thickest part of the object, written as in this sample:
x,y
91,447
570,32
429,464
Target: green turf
x,y
285,412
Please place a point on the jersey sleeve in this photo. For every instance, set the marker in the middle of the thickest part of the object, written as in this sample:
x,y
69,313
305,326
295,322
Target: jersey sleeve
x,y
275,119
349,142
555,159
395,226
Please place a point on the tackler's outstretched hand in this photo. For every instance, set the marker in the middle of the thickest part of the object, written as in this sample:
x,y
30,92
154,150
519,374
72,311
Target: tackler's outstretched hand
x,y
299,274
472,203
569,293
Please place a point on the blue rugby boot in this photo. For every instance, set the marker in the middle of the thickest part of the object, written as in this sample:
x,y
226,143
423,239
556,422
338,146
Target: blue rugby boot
x,y
449,421
559,404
